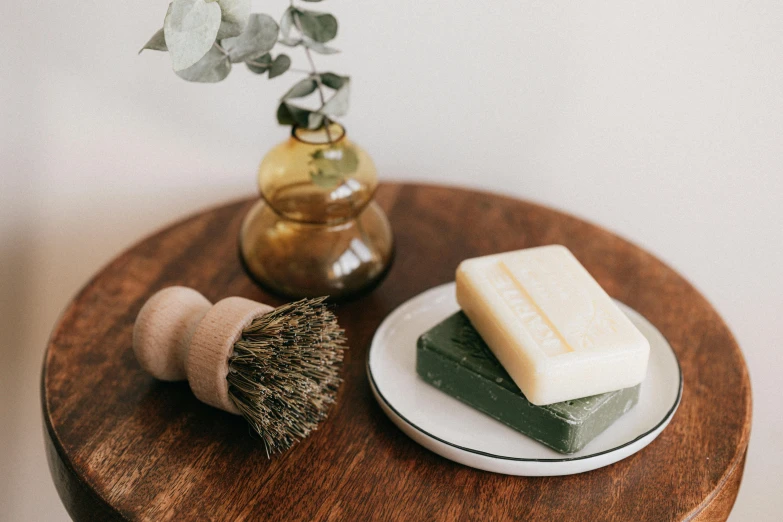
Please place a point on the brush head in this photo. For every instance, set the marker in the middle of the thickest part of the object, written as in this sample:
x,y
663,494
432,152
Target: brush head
x,y
284,371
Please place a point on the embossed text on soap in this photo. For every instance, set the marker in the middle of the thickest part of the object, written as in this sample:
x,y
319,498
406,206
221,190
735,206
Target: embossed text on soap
x,y
535,322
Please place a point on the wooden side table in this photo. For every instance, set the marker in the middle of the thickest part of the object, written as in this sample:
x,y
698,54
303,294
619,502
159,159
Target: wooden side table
x,y
124,446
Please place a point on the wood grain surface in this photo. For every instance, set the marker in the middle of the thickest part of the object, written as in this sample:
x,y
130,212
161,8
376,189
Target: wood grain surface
x,y
122,445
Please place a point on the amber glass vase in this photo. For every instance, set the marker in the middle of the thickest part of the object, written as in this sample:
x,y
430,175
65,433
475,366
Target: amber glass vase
x,y
316,229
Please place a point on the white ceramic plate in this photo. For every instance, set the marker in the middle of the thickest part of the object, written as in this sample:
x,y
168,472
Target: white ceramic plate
x,y
457,432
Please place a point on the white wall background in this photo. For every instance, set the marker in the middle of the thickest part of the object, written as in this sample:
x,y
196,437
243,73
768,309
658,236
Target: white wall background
x,y
662,121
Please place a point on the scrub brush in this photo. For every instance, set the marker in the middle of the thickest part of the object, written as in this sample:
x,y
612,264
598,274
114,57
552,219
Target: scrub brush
x,y
277,367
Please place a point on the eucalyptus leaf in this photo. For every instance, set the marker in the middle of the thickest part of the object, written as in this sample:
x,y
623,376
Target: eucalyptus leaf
x,y
190,29
257,69
319,27
290,42
156,43
315,120
234,17
287,23
337,105
279,66
258,38
333,81
212,68
318,47
301,89
335,161
288,114
284,116
261,64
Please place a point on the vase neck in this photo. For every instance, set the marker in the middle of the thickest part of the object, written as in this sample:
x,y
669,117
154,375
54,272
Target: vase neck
x,y
333,133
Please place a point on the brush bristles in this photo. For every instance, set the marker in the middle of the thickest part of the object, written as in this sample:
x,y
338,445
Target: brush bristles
x,y
285,371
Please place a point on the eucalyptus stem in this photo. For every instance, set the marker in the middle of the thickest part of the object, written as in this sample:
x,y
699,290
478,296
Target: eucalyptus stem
x,y
316,77
220,48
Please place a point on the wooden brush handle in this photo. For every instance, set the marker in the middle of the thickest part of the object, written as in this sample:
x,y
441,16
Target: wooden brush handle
x,y
180,335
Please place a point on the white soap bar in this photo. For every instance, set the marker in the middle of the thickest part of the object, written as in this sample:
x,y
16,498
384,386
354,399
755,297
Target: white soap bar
x,y
550,324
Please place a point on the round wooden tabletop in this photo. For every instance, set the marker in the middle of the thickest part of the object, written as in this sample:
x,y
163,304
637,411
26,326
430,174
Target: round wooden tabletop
x,y
122,445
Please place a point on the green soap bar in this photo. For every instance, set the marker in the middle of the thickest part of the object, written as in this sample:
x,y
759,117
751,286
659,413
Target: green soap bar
x,y
453,357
